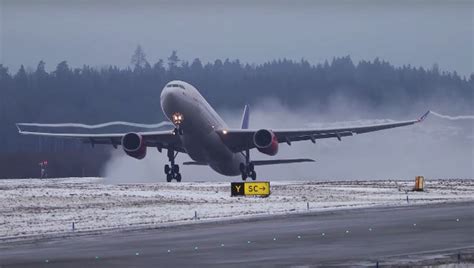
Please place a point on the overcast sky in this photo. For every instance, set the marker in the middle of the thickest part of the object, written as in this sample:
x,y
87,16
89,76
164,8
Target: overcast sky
x,y
99,33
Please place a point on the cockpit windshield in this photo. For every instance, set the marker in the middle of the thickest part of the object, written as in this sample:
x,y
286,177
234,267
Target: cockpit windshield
x,y
175,85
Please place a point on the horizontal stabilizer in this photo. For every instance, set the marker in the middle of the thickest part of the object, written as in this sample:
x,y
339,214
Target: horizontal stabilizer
x,y
281,161
260,162
191,163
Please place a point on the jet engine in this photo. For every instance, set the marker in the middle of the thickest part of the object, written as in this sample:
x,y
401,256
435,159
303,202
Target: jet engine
x,y
266,142
134,145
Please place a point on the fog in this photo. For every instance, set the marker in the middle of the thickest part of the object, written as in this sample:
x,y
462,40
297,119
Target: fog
x,y
437,148
105,32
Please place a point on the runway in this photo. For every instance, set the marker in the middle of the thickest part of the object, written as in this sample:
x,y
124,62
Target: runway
x,y
357,237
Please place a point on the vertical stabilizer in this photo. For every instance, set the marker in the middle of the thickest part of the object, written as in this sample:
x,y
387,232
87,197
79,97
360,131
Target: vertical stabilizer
x,y
245,117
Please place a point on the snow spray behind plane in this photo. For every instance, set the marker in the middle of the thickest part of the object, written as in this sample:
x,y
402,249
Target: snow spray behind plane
x,y
459,117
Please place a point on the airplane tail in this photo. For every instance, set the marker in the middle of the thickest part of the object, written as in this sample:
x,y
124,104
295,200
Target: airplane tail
x,y
245,117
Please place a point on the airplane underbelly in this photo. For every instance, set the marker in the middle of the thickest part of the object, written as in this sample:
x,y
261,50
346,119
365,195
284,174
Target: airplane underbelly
x,y
205,148
211,150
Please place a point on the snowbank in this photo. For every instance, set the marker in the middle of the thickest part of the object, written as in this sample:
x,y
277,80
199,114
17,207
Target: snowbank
x,y
34,207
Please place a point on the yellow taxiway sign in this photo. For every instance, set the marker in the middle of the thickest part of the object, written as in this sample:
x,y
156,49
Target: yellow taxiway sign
x,y
258,188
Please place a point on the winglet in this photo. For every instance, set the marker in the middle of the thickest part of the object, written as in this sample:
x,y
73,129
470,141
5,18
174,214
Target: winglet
x,y
422,118
245,117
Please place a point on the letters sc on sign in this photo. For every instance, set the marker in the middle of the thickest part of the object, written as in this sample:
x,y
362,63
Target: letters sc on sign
x,y
261,188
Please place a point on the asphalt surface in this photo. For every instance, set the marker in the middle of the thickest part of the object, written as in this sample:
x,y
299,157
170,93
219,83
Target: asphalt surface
x,y
345,237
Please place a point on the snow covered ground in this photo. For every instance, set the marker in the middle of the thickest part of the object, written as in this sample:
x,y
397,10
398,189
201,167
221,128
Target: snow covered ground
x,y
33,207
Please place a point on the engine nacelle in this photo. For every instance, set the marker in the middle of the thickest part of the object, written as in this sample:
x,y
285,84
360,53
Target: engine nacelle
x,y
266,142
133,145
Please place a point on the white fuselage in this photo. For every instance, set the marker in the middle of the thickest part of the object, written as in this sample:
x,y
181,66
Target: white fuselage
x,y
199,122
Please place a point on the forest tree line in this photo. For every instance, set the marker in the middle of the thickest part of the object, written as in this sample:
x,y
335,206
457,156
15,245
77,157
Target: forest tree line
x,y
95,95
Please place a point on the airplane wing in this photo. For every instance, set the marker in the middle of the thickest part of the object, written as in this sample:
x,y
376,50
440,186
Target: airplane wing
x,y
239,140
159,139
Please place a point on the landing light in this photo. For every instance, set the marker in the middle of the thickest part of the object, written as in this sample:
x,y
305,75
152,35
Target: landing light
x,y
224,132
177,118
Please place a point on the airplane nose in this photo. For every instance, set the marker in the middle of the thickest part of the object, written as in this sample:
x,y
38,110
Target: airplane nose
x,y
168,95
169,100
164,93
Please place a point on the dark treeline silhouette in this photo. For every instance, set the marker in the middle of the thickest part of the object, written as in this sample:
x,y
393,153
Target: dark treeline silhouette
x,y
95,95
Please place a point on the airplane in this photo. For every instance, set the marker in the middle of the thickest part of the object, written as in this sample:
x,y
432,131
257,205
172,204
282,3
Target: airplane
x,y
202,134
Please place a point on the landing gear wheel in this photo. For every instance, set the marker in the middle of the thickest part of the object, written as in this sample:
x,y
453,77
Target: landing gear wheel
x,y
247,171
251,167
253,175
172,170
175,169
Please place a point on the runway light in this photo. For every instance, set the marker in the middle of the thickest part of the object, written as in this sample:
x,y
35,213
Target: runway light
x,y
414,224
347,231
323,234
457,219
274,239
96,257
169,250
222,245
370,229
137,254
299,237
196,248
46,261
248,242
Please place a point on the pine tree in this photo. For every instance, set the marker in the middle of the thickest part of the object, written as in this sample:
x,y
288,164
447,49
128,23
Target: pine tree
x,y
138,60
21,78
173,60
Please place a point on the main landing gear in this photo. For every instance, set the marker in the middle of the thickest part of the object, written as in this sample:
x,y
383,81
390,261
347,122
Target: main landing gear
x,y
247,169
172,170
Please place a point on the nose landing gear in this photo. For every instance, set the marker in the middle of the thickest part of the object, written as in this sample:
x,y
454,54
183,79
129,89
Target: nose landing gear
x,y
247,169
178,131
172,170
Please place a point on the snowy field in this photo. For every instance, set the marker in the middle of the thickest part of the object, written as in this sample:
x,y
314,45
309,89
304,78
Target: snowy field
x,y
33,207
